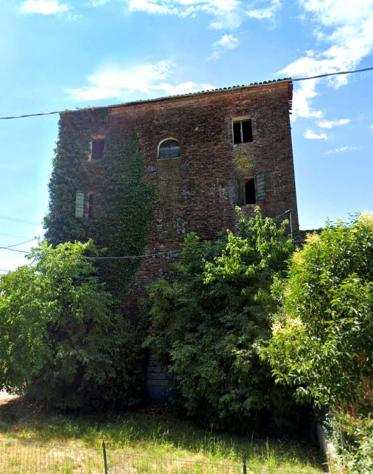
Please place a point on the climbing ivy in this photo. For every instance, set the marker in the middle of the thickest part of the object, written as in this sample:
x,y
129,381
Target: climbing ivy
x,y
71,173
119,225
127,205
123,199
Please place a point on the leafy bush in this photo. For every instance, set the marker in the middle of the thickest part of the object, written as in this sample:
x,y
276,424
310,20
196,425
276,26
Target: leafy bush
x,y
353,439
207,319
322,340
61,342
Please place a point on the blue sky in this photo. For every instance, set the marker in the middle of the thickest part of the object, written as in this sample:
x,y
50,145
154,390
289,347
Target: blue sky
x,y
58,54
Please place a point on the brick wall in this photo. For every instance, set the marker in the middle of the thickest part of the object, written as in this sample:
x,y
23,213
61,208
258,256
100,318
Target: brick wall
x,y
197,192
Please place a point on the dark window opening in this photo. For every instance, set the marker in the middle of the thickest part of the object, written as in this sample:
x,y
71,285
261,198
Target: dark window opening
x,y
97,148
250,197
169,149
89,206
247,131
237,132
242,131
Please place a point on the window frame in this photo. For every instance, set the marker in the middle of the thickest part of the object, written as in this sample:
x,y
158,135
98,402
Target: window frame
x,y
93,139
166,140
251,179
88,204
240,120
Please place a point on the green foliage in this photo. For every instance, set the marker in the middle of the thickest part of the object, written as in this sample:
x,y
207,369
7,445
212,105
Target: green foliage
x,y
60,340
123,199
120,224
322,340
123,225
353,438
208,319
71,173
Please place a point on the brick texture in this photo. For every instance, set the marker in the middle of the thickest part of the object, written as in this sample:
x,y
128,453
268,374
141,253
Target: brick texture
x,y
198,191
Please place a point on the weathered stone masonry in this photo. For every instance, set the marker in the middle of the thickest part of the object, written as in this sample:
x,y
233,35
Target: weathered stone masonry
x,y
198,191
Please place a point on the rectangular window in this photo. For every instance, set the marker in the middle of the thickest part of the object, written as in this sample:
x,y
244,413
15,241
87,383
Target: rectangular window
x,y
250,197
242,131
89,206
97,148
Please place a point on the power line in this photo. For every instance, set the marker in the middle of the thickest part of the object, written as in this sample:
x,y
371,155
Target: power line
x,y
296,79
14,250
20,243
11,248
340,73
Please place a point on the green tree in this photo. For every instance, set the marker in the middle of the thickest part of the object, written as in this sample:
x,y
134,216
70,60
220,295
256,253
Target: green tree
x,y
208,318
322,341
60,340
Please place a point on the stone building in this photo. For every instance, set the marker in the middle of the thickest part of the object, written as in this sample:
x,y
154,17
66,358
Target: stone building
x,y
204,153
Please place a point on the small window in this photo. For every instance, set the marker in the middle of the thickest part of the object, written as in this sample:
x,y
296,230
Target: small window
x,y
89,206
97,148
169,148
242,131
250,196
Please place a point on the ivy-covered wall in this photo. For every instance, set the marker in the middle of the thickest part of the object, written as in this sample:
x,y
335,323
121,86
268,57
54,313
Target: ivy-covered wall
x,y
145,205
123,199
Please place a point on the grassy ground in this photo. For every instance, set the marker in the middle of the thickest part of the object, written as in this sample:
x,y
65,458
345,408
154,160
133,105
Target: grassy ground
x,y
142,442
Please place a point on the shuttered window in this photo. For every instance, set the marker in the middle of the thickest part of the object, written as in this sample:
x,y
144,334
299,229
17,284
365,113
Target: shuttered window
x,y
260,186
84,205
251,190
79,205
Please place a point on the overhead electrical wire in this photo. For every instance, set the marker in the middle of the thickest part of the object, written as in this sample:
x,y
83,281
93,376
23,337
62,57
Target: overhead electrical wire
x,y
296,79
20,243
328,74
9,249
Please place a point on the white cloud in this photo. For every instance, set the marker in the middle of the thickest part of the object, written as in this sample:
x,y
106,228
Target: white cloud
x,y
44,7
342,149
226,42
333,123
312,135
224,14
122,83
302,101
347,29
265,12
371,126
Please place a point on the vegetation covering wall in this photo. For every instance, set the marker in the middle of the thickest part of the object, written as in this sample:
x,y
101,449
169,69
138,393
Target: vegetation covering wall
x,y
119,224
123,200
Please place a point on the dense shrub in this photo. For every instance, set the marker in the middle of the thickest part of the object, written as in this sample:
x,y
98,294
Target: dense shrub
x,y
322,339
352,437
61,341
207,319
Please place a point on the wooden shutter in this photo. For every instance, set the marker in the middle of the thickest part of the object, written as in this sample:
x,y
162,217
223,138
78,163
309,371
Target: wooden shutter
x,y
260,187
79,205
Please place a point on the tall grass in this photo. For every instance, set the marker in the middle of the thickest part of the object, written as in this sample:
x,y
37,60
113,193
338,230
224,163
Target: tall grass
x,y
148,438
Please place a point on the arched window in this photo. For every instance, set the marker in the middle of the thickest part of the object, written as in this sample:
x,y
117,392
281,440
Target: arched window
x,y
169,148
